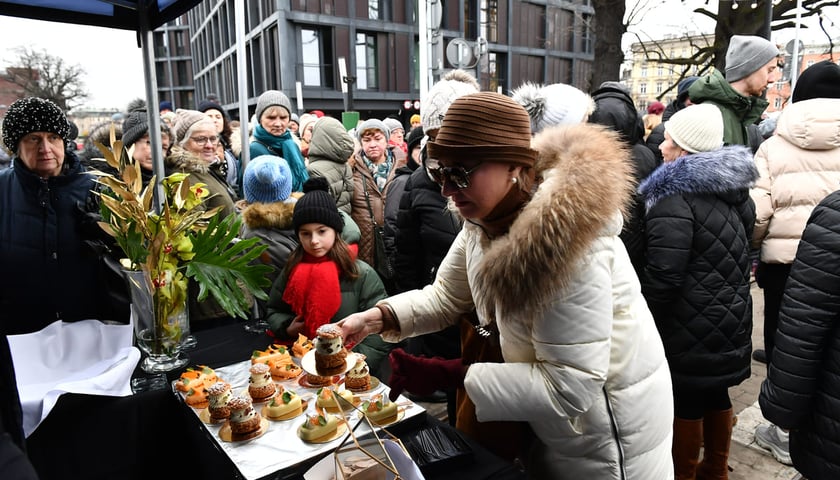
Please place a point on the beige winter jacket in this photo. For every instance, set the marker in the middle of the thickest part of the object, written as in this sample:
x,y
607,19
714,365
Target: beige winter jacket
x,y
798,167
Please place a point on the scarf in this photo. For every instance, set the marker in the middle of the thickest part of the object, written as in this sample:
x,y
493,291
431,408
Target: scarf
x,y
379,172
290,152
313,290
498,222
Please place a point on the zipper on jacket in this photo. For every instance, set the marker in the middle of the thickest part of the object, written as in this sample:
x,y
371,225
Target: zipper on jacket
x,y
616,434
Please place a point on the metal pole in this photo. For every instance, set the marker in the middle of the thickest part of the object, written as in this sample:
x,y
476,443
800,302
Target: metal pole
x,y
794,69
768,19
144,36
423,36
242,79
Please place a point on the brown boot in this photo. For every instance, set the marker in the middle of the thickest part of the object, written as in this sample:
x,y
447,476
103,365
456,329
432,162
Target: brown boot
x,y
717,436
688,434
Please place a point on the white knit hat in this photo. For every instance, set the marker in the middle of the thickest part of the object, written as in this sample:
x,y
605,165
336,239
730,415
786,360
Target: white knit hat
x,y
454,84
554,104
697,128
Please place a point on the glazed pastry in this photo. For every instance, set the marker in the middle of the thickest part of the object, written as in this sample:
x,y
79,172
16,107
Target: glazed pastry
x,y
201,375
285,371
260,384
380,410
358,378
330,354
318,426
326,398
272,354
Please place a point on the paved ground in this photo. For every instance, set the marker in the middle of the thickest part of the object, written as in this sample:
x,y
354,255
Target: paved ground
x,y
747,460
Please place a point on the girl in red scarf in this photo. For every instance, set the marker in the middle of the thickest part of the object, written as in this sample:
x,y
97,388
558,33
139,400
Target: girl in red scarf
x,y
323,280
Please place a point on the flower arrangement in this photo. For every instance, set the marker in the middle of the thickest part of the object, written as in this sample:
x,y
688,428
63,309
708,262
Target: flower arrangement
x,y
177,241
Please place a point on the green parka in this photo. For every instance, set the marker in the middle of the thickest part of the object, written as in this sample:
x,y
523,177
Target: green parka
x,y
738,110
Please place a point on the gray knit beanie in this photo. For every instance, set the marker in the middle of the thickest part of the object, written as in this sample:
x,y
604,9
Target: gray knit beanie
x,y
135,125
372,124
746,54
33,114
393,124
270,98
454,84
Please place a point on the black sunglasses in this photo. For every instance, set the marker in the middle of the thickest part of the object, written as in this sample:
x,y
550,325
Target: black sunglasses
x,y
457,175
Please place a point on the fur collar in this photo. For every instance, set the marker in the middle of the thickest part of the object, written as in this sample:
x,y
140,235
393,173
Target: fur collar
x,y
719,172
585,179
277,215
181,159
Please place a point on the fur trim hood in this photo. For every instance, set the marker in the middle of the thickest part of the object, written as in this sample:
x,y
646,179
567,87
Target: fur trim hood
x,y
181,159
276,215
584,177
723,172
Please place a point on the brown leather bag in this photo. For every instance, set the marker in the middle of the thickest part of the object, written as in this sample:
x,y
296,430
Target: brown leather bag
x,y
508,440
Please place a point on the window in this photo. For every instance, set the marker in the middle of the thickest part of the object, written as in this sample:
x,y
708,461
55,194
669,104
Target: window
x,y
658,87
778,103
373,9
660,70
315,49
490,20
587,35
494,73
644,70
366,62
643,87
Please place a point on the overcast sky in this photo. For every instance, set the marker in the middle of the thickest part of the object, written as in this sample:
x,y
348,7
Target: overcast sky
x,y
114,66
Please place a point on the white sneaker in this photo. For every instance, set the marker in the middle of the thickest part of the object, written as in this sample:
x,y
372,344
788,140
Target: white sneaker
x,y
776,440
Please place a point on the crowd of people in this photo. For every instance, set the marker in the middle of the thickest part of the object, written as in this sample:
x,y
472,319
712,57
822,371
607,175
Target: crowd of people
x,y
576,287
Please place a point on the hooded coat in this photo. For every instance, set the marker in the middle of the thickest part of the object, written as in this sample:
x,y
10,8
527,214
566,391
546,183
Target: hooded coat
x,y
738,110
802,388
798,167
615,109
329,151
697,278
583,362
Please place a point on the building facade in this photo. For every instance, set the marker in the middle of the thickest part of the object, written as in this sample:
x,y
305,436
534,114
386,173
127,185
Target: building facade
x,y
301,47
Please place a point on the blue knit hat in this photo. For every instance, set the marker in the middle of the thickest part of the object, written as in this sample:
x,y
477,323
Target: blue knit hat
x,y
267,179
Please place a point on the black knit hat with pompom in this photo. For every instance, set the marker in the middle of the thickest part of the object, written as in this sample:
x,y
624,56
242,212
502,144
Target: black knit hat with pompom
x,y
317,206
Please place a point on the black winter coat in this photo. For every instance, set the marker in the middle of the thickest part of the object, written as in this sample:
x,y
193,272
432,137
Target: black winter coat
x,y
697,278
802,388
615,109
49,269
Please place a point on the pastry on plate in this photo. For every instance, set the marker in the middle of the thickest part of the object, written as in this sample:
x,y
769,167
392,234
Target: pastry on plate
x,y
358,378
285,371
200,375
260,384
196,397
301,346
380,410
218,396
285,404
330,354
326,399
272,354
244,420
319,426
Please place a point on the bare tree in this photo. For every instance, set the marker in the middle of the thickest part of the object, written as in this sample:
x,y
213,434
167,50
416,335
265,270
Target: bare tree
x,y
40,74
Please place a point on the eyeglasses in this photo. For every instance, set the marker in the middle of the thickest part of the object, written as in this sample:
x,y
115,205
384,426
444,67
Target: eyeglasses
x,y
205,140
457,175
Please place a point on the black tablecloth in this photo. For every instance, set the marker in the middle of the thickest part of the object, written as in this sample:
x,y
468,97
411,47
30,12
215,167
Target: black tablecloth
x,y
154,435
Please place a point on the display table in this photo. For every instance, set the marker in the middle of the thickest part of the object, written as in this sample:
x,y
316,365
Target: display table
x,y
155,435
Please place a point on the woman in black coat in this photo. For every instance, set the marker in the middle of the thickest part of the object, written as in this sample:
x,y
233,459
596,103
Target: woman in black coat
x,y
697,280
802,389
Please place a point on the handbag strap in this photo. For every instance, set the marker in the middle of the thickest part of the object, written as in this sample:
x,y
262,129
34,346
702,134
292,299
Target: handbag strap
x,y
367,200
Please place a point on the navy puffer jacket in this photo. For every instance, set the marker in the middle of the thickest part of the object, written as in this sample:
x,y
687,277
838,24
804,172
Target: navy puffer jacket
x,y
696,281
802,389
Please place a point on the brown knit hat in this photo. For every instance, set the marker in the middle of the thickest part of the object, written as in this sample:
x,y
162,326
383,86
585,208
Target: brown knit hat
x,y
470,130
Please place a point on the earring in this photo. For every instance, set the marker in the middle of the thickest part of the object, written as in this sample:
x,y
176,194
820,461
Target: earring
x,y
514,180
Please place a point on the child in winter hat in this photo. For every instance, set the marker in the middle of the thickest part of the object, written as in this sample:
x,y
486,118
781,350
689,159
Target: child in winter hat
x,y
267,179
746,54
317,206
554,104
33,114
697,128
454,84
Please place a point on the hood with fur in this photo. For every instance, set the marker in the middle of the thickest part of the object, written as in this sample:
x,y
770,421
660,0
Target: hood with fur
x,y
182,159
585,181
276,215
725,172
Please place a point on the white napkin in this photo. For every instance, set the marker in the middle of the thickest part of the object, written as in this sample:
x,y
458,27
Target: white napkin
x,y
86,357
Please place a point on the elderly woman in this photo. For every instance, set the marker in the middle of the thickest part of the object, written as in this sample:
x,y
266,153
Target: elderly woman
x,y
273,137
225,148
540,260
194,152
48,272
698,223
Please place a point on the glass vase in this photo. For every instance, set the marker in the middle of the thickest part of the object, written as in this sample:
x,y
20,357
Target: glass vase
x,y
158,324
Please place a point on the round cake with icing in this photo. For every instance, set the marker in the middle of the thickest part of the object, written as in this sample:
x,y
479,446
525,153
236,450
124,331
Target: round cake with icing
x,y
260,384
330,354
218,396
244,419
358,378
286,403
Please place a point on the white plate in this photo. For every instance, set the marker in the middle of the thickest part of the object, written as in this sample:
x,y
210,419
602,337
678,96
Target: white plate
x,y
308,363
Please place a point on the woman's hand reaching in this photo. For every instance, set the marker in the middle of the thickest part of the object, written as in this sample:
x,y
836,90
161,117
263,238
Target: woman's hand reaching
x,y
357,326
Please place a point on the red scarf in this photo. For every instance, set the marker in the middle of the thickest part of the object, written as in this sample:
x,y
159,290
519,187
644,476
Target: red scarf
x,y
313,290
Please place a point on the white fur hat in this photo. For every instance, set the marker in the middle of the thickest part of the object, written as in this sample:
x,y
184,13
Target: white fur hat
x,y
554,104
697,128
453,85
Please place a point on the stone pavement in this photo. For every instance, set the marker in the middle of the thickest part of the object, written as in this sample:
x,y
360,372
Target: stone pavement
x,y
747,460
